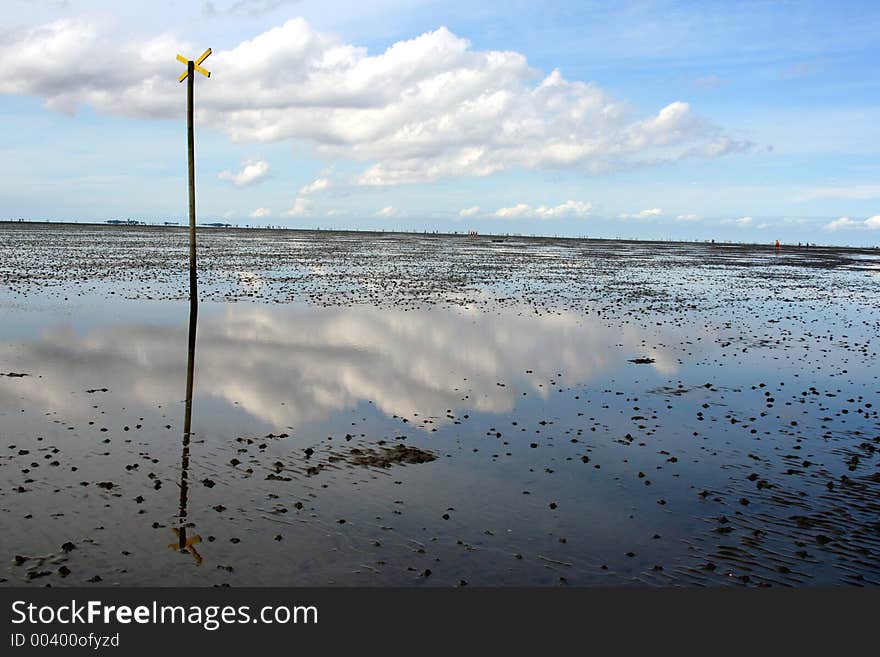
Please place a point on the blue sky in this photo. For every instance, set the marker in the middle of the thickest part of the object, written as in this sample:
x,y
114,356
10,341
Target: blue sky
x,y
749,121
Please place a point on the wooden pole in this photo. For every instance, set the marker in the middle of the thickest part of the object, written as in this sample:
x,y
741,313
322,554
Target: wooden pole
x,y
193,298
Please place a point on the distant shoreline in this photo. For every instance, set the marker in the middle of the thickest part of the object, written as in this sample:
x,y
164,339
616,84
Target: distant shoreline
x,y
461,235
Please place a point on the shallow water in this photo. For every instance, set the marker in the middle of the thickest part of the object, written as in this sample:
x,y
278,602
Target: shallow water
x,y
745,452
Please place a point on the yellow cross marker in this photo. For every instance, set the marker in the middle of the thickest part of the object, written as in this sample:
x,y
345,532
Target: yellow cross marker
x,y
188,545
196,67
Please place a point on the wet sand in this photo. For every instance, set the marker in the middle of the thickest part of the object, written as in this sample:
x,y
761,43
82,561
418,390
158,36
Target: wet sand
x,y
380,409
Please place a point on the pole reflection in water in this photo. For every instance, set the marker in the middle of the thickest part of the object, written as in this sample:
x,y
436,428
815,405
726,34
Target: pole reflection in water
x,y
183,543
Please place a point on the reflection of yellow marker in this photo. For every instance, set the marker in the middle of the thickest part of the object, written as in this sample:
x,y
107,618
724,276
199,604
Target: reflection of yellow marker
x,y
196,67
188,544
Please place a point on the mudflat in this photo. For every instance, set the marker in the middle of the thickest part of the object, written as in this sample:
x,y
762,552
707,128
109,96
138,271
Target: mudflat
x,y
411,410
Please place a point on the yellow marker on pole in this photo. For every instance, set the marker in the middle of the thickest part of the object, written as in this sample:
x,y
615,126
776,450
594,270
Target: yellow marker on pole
x,y
188,75
202,57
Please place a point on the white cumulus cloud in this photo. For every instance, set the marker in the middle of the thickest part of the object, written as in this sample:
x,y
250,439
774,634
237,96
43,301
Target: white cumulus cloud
x,y
261,213
469,212
644,214
317,185
251,171
517,210
567,209
301,207
871,223
425,108
842,222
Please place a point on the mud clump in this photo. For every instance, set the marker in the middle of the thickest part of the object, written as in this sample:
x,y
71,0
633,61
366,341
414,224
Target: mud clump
x,y
385,457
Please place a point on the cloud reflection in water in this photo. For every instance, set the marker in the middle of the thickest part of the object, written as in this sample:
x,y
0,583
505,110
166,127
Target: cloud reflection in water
x,y
286,365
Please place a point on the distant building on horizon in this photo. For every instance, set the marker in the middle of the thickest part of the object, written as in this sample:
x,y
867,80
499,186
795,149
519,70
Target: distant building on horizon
x,y
125,222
